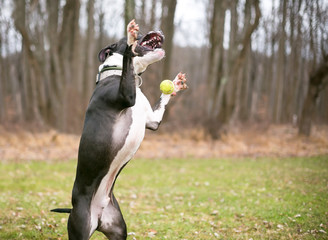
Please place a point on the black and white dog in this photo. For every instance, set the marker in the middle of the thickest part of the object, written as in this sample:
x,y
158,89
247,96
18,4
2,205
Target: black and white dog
x,y
114,128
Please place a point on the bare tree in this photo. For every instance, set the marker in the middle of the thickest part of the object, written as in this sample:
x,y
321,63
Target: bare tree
x,y
317,82
31,68
153,14
318,51
215,79
237,65
129,12
167,26
232,52
295,60
281,64
56,75
90,53
2,83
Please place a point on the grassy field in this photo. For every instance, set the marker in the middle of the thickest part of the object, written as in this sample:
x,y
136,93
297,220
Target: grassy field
x,y
245,198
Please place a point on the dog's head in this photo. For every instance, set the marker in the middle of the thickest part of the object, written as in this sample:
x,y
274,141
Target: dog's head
x,y
147,47
148,43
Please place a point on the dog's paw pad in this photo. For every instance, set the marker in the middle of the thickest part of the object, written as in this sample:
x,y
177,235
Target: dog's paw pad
x,y
132,32
180,82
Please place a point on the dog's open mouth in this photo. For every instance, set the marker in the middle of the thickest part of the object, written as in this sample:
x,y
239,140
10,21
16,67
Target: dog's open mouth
x,y
151,41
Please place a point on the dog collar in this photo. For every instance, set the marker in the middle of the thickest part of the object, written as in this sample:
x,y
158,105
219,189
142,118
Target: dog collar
x,y
107,71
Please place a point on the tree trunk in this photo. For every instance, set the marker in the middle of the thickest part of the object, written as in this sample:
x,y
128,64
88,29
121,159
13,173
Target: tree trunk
x,y
167,26
256,91
272,73
31,69
296,84
129,13
229,97
142,15
318,81
70,62
56,77
89,66
318,78
2,84
16,93
101,37
153,14
237,67
248,75
278,109
215,79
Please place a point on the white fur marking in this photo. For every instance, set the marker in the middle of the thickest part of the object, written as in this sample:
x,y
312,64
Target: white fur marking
x,y
141,63
114,60
135,136
157,115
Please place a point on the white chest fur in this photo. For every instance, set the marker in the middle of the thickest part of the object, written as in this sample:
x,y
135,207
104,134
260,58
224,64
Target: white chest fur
x,y
136,131
132,142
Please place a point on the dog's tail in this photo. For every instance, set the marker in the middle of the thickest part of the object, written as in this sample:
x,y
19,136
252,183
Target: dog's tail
x,y
61,210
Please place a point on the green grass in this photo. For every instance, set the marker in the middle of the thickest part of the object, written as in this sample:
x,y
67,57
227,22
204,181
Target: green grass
x,y
264,198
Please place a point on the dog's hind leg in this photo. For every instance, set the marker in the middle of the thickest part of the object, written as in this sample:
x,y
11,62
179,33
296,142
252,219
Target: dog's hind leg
x,y
112,223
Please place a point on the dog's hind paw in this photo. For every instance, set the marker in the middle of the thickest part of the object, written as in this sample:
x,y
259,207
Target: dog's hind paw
x,y
179,83
132,32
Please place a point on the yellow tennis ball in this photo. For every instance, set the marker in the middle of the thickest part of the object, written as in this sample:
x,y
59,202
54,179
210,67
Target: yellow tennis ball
x,y
167,86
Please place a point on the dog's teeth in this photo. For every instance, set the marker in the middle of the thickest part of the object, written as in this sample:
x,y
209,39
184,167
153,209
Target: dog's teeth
x,y
153,43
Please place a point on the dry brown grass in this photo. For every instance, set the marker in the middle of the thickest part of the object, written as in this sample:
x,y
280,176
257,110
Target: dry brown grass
x,y
280,141
23,145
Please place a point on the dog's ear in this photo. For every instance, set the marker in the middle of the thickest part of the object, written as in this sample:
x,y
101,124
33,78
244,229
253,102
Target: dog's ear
x,y
105,52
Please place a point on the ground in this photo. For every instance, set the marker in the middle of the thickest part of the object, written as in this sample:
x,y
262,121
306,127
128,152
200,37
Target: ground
x,y
222,198
250,184
278,141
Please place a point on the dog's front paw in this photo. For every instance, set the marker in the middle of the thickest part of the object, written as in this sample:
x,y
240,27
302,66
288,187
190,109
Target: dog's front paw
x,y
132,32
179,83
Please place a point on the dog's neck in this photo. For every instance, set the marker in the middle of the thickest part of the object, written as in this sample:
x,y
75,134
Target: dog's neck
x,y
113,66
114,60
139,64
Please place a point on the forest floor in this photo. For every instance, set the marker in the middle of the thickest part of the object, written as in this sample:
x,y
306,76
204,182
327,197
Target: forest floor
x,y
248,141
176,199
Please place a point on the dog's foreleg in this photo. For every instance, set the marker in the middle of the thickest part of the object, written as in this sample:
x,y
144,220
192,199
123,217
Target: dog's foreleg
x,y
127,90
155,116
132,32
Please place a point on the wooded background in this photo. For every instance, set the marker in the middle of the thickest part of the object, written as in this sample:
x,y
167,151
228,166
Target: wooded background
x,y
254,66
